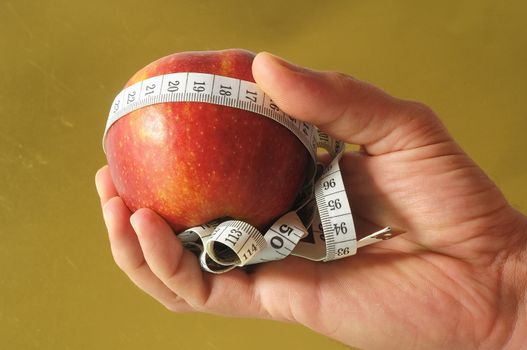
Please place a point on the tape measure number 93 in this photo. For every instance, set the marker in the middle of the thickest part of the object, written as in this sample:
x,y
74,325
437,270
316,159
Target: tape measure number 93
x,y
320,226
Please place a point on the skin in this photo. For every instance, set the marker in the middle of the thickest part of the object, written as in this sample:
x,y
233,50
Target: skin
x,y
455,280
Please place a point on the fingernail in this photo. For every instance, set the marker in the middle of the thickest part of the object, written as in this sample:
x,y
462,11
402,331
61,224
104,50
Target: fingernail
x,y
106,215
286,64
97,175
133,220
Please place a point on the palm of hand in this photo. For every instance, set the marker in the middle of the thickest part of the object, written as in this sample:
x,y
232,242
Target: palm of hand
x,y
399,286
418,285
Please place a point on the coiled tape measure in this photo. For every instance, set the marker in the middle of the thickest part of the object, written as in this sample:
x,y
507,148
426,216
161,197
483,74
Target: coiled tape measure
x,y
320,227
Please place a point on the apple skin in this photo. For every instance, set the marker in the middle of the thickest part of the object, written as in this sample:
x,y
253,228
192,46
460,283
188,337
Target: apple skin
x,y
193,162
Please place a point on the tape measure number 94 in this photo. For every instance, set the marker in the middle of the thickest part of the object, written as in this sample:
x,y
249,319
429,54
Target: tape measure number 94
x,y
320,227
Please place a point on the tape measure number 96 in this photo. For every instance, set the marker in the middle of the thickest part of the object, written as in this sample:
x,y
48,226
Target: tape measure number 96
x,y
321,225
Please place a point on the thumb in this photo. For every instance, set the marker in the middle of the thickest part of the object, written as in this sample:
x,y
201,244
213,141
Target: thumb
x,y
346,108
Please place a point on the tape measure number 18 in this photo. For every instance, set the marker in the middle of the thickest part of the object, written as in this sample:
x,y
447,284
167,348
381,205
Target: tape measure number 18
x,y
319,227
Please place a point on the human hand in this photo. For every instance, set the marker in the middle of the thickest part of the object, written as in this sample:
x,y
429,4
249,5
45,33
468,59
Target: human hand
x,y
455,279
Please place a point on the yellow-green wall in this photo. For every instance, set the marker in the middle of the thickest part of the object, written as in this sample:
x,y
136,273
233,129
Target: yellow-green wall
x,y
62,62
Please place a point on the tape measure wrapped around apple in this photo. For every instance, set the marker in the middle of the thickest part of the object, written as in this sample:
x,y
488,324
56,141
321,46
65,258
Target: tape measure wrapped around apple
x,y
192,137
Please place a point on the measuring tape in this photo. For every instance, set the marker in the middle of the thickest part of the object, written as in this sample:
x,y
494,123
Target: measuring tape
x,y
320,227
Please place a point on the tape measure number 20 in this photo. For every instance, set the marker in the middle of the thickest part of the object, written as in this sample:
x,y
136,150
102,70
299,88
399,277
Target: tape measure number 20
x,y
320,227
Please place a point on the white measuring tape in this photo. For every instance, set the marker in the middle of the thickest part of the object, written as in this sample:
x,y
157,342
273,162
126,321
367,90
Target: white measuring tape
x,y
320,227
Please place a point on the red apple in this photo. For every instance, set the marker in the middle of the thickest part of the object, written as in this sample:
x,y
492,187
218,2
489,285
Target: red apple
x,y
193,162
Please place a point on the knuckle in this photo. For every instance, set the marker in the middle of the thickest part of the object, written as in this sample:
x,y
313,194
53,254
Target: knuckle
x,y
196,301
127,266
340,80
109,204
122,265
119,260
419,109
424,122
175,305
171,307
201,301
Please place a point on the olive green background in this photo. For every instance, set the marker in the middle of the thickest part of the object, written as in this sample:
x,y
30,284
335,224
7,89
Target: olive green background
x,y
62,62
